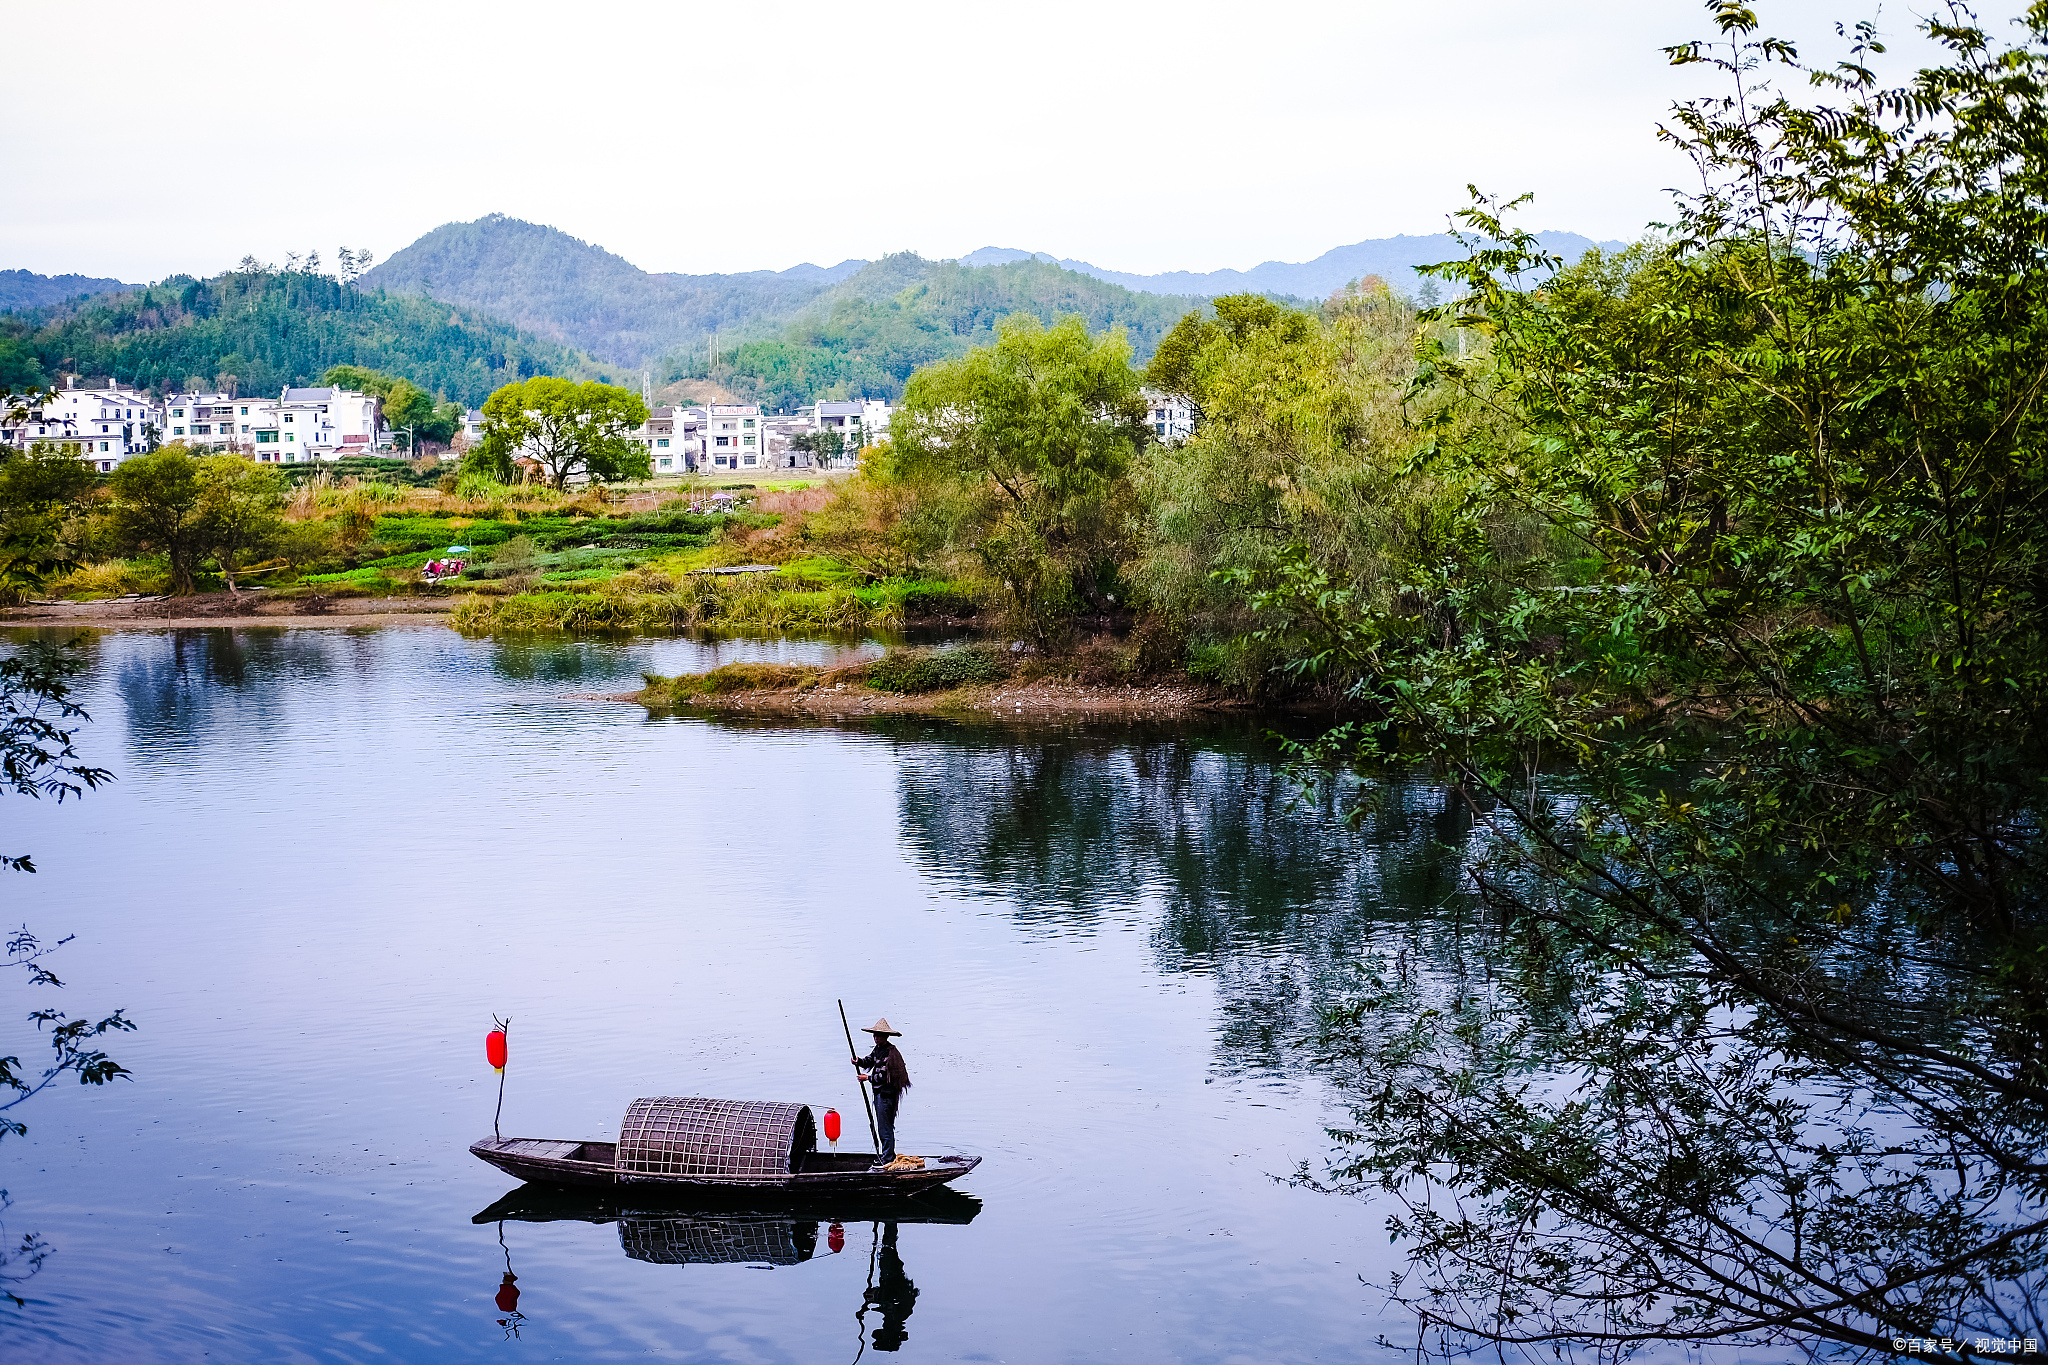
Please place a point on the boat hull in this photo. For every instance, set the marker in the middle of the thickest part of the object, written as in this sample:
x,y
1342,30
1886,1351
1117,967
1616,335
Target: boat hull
x,y
548,1161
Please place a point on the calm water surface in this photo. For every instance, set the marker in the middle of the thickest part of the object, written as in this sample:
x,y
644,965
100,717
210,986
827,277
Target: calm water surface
x,y
332,854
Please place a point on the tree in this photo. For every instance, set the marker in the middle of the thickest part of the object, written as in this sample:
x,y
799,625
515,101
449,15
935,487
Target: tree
x,y
1752,738
21,371
407,405
1038,432
821,446
239,516
569,428
38,758
38,488
159,505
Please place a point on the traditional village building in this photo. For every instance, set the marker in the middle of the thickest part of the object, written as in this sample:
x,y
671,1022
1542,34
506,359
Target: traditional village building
x,y
1173,421
309,425
102,426
734,437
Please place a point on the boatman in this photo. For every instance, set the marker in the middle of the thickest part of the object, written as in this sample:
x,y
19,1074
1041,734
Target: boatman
x,y
888,1075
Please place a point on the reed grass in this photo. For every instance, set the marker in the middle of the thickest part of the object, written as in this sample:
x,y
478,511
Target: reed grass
x,y
111,578
647,600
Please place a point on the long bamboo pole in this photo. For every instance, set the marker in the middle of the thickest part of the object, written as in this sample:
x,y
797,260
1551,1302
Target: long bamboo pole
x,y
874,1133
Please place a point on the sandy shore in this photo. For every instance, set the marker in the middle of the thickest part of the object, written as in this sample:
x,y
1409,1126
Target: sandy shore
x,y
218,609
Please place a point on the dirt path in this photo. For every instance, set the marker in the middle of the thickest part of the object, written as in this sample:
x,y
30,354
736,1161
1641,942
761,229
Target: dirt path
x,y
219,609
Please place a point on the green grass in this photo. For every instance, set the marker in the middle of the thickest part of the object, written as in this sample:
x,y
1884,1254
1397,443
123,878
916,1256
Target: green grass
x,y
652,602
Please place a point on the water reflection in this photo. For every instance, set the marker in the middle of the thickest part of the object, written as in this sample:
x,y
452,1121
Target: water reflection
x,y
768,1238
1236,873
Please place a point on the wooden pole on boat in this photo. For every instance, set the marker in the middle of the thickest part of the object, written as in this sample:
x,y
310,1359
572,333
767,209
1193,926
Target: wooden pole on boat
x,y
874,1133
504,1029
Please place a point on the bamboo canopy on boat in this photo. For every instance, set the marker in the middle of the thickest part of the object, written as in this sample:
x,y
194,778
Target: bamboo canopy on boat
x,y
736,1140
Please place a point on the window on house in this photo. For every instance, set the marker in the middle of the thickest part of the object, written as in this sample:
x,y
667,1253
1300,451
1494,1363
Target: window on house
x,y
1161,428
748,439
749,423
245,412
177,431
287,417
663,443
748,461
177,412
264,438
666,463
725,440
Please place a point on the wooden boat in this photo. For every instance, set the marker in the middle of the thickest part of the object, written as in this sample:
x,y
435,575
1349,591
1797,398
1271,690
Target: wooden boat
x,y
693,1147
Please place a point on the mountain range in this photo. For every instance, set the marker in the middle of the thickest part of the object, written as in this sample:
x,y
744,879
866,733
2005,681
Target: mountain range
x,y
470,305
26,289
563,288
1393,259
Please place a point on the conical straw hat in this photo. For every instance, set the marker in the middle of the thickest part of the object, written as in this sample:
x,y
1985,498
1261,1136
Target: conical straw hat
x,y
881,1026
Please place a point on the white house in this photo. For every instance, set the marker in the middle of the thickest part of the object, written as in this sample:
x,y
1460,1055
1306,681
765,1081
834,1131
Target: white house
x,y
664,443
220,420
1173,421
733,437
306,425
102,426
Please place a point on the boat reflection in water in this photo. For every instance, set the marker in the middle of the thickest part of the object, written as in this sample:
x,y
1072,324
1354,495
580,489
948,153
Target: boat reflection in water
x,y
732,1234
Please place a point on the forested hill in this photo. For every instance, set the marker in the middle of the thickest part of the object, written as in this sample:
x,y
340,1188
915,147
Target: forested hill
x,y
563,288
274,328
26,289
864,336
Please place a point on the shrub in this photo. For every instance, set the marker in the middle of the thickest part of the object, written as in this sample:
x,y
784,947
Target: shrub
x,y
926,604
113,578
920,670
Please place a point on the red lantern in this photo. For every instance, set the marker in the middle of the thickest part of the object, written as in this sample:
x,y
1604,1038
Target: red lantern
x,y
831,1125
494,1048
508,1292
836,1238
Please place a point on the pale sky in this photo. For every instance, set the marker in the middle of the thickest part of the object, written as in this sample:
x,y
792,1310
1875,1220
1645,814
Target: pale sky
x,y
147,139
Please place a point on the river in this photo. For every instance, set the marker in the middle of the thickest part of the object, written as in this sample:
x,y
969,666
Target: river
x,y
331,855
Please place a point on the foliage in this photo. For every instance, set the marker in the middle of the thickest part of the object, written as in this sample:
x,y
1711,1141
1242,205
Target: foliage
x,y
937,670
821,446
277,328
647,600
1301,448
38,758
882,525
569,428
239,513
39,488
1751,734
1032,440
404,404
159,506
74,1043
867,335
20,370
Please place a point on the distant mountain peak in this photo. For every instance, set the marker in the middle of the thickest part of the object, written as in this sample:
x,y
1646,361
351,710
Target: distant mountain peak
x,y
26,289
1393,259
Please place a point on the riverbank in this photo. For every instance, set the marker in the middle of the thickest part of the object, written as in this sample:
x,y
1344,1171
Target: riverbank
x,y
842,692
227,609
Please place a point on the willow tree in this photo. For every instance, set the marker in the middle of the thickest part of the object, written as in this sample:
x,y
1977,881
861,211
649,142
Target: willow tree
x,y
1031,442
1752,736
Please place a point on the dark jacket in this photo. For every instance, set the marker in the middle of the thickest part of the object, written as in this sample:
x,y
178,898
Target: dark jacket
x,y
885,1067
